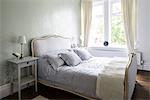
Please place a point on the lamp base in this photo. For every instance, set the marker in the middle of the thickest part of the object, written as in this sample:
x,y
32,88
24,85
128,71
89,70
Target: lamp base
x,y
21,57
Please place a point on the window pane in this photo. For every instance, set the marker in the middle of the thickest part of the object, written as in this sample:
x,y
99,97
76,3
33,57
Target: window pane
x,y
96,37
116,7
117,28
115,20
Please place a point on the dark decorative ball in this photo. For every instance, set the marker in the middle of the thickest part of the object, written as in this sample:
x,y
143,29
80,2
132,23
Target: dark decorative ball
x,y
106,43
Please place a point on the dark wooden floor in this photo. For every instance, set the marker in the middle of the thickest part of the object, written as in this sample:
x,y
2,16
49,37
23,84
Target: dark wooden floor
x,y
142,88
141,92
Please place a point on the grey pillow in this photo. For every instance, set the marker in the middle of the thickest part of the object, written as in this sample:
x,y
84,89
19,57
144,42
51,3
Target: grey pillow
x,y
55,61
71,58
83,54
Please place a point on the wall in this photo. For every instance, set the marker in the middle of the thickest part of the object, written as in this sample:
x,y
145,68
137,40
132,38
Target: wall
x,y
143,32
34,18
0,17
0,41
0,31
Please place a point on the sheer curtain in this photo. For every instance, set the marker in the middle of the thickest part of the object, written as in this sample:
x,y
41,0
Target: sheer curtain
x,y
86,17
129,16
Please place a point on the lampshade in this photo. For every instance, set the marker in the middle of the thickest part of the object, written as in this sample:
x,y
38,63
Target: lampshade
x,y
22,39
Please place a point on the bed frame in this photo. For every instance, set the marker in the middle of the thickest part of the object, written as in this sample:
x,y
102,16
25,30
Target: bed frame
x,y
56,42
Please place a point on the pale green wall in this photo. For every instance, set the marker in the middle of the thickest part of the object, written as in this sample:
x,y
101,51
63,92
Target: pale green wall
x,y
0,43
0,19
35,18
0,29
143,31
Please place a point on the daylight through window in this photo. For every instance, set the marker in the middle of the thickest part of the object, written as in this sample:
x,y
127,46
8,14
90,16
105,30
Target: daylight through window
x,y
107,24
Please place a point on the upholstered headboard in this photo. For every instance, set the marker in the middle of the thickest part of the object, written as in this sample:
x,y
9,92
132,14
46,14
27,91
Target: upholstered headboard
x,y
41,46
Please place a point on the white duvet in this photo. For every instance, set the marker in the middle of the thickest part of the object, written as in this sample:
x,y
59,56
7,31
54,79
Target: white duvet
x,y
85,77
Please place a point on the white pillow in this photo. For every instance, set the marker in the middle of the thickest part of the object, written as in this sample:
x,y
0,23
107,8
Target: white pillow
x,y
56,52
55,61
71,58
83,54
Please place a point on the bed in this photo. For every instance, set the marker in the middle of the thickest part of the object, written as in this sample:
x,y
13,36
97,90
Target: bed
x,y
83,79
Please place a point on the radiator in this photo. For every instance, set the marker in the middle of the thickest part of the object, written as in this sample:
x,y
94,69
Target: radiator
x,y
139,58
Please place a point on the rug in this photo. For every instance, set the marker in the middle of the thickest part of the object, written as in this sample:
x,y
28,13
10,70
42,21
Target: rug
x,y
40,98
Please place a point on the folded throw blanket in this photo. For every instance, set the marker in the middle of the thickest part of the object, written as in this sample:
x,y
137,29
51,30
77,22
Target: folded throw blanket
x,y
110,83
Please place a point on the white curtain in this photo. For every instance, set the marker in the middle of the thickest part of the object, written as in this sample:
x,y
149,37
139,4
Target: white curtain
x,y
86,17
129,16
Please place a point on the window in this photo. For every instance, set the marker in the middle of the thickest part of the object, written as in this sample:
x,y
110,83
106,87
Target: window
x,y
107,24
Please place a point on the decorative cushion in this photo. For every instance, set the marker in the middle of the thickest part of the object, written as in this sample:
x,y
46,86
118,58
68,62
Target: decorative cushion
x,y
83,54
71,58
55,61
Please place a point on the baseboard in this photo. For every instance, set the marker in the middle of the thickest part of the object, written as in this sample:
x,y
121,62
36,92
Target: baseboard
x,y
145,67
5,90
140,67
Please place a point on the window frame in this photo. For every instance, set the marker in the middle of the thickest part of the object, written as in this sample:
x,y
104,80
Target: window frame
x,y
107,27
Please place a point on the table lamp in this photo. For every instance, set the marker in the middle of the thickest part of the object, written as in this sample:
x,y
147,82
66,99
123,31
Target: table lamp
x,y
22,41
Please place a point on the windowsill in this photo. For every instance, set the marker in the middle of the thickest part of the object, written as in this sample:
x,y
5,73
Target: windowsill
x,y
109,49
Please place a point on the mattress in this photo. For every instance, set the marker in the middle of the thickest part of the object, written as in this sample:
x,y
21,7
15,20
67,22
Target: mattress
x,y
81,78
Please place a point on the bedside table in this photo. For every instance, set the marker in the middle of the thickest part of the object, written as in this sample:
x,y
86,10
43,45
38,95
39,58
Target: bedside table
x,y
22,63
